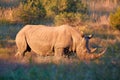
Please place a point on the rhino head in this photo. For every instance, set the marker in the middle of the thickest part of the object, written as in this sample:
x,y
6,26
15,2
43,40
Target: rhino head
x,y
84,52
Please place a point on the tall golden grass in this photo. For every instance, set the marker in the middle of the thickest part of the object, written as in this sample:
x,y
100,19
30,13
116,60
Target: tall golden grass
x,y
6,14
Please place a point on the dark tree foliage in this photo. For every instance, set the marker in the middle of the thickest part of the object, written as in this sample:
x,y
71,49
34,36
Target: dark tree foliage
x,y
33,11
115,19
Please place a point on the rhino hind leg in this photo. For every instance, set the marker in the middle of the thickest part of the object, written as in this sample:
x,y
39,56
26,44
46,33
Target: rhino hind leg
x,y
22,45
21,52
28,49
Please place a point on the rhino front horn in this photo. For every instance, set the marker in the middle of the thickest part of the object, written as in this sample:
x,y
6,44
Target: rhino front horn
x,y
95,56
92,56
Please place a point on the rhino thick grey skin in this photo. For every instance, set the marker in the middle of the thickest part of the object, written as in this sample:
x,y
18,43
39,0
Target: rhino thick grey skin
x,y
45,40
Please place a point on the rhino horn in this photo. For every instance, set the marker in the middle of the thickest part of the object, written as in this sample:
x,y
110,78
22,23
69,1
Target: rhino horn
x,y
96,56
93,50
92,56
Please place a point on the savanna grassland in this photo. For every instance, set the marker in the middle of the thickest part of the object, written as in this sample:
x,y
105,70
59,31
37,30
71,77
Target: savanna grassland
x,y
34,67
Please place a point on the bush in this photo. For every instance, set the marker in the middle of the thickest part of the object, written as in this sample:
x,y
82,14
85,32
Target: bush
x,y
33,11
76,6
115,19
72,19
30,11
56,7
73,12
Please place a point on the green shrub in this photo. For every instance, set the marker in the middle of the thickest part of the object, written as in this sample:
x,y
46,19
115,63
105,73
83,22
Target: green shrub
x,y
72,19
76,6
35,11
115,19
73,12
30,11
56,7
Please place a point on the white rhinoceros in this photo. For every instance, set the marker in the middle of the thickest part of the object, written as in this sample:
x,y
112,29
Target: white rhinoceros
x,y
45,40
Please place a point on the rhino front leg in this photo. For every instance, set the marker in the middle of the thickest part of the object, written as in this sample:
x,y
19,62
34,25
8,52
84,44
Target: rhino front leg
x,y
58,53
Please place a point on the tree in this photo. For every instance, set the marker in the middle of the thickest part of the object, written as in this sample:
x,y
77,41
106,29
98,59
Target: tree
x,y
56,7
115,19
30,11
73,13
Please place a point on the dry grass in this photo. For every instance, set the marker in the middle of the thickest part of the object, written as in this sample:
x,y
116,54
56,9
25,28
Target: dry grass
x,y
6,15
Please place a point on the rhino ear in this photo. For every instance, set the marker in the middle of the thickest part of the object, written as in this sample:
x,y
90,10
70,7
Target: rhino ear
x,y
90,36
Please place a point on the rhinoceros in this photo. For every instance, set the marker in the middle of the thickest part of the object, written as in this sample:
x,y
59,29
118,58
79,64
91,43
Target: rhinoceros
x,y
45,40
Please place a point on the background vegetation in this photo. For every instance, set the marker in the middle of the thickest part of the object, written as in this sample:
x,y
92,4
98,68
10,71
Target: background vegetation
x,y
98,17
115,19
36,11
